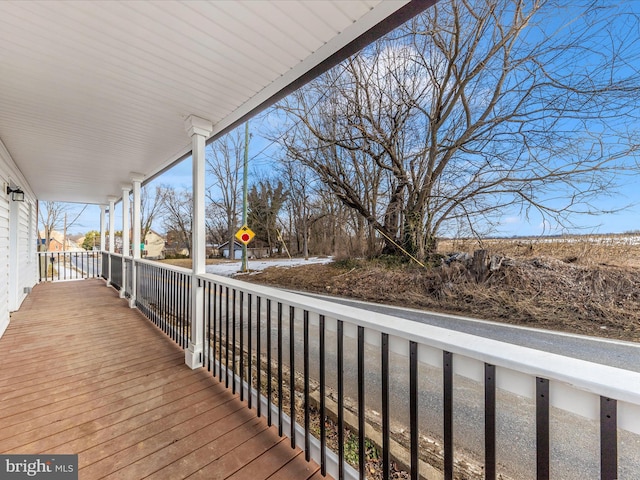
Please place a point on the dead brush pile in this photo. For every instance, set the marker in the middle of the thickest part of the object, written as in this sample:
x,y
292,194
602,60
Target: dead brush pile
x,y
549,293
538,292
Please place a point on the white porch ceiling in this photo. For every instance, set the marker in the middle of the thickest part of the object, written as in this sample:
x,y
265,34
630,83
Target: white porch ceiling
x,y
91,91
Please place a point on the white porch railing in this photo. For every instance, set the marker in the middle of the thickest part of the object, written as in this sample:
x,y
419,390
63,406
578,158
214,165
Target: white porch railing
x,y
57,266
451,398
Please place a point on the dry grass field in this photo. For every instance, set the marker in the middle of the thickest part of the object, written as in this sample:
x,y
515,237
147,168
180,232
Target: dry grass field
x,y
622,250
588,285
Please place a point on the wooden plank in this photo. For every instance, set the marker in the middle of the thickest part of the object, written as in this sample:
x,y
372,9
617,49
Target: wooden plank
x,y
54,399
157,452
31,398
140,416
229,463
228,417
81,372
297,469
267,463
203,456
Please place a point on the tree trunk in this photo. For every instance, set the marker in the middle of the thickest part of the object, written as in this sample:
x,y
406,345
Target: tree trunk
x,y
232,226
305,239
413,234
480,265
430,244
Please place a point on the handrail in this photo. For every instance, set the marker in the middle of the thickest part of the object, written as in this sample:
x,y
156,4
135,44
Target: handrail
x,y
166,266
68,265
588,376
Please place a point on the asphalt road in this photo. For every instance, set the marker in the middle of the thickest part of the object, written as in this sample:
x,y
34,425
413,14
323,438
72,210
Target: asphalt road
x,y
614,353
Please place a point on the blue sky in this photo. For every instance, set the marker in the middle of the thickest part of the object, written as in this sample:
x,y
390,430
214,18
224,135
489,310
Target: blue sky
x,y
625,202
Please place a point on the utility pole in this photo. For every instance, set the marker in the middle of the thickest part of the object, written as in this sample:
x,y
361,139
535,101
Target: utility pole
x,y
244,193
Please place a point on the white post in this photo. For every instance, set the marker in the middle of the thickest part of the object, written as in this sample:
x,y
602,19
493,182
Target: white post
x,y
125,237
198,129
112,233
112,224
136,179
103,233
126,221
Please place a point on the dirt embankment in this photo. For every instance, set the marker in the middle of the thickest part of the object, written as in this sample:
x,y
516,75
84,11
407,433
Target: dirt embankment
x,y
600,300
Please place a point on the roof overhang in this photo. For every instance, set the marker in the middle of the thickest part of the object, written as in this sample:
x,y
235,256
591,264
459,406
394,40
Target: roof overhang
x,y
91,91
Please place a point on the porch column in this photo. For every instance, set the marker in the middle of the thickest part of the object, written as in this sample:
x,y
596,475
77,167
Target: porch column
x,y
198,129
126,221
126,189
136,180
103,233
112,234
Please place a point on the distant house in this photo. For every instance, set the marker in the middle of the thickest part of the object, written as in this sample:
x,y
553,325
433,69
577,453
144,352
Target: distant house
x,y
152,248
56,243
252,252
154,244
224,250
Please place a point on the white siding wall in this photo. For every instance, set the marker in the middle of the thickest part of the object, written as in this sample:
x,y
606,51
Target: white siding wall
x,y
17,268
25,258
4,261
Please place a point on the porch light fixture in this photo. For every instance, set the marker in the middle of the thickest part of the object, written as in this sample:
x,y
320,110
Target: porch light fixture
x,y
17,195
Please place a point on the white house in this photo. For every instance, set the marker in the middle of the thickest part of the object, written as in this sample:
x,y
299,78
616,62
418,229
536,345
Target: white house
x,y
153,246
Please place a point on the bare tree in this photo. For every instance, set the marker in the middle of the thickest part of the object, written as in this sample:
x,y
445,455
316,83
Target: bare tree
x,y
216,226
177,208
224,163
333,231
55,216
150,207
475,108
51,215
302,203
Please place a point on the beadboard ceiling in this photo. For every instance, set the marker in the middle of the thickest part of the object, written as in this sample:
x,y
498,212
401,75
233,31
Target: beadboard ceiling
x,y
91,91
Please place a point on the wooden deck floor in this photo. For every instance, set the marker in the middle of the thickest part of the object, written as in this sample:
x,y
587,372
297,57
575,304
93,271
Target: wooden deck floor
x,y
81,373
